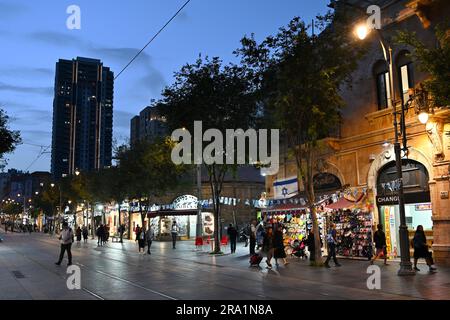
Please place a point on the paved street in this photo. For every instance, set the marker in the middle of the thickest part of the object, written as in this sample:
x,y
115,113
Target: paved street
x,y
117,271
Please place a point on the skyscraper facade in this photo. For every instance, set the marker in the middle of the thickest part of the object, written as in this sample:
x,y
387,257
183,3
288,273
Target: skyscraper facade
x,y
82,116
148,125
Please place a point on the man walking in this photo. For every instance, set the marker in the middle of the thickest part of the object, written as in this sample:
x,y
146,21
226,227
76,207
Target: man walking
x,y
332,241
232,235
66,239
379,238
149,236
121,231
174,232
252,237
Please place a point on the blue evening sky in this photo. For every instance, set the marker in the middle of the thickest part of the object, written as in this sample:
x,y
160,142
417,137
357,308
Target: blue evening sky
x,y
33,36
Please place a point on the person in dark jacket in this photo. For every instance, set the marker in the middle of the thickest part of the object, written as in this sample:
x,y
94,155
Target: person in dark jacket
x,y
278,244
85,234
232,235
141,239
267,247
100,235
78,233
379,238
421,249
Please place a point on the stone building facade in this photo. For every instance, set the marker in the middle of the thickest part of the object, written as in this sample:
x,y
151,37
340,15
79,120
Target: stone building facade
x,y
363,156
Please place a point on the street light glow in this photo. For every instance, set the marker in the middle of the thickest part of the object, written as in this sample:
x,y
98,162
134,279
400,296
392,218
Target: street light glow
x,y
362,31
423,117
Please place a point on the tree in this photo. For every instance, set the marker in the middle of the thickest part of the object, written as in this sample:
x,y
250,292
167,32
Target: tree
x,y
147,172
221,96
434,61
9,139
299,76
13,209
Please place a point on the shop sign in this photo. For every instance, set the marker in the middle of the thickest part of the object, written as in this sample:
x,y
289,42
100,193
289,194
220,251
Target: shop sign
x,y
387,200
186,202
423,207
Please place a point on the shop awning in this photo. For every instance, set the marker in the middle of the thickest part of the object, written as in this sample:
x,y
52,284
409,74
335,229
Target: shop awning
x,y
162,213
344,203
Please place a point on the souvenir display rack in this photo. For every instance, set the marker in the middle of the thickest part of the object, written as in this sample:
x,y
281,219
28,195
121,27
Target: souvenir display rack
x,y
354,232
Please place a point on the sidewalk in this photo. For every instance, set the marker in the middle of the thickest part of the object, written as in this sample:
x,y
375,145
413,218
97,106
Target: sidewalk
x,y
118,271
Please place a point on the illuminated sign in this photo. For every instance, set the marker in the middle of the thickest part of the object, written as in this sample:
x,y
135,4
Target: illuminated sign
x,y
186,202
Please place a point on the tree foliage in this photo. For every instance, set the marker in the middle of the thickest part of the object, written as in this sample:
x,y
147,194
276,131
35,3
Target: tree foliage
x,y
9,139
434,61
299,77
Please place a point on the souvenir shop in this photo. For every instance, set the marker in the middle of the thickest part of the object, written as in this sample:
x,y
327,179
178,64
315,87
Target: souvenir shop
x,y
295,219
354,226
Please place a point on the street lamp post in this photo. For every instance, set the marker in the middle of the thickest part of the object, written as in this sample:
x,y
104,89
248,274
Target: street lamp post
x,y
405,263
199,229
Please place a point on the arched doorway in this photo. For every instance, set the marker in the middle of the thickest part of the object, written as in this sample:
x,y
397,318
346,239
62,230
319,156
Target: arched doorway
x,y
417,201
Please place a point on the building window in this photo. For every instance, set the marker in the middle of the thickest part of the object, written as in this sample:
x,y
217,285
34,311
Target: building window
x,y
381,74
405,72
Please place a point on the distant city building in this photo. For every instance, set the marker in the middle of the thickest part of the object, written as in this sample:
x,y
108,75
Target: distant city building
x,y
82,116
17,185
148,125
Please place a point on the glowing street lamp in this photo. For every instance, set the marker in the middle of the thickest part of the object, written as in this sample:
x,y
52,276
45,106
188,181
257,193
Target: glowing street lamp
x,y
423,117
361,31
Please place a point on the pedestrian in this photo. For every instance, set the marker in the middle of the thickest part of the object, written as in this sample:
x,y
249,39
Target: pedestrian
x,y
268,246
332,241
174,232
85,234
232,236
140,238
259,235
278,244
66,239
137,230
100,235
78,233
252,237
149,237
106,234
379,238
121,231
421,249
310,242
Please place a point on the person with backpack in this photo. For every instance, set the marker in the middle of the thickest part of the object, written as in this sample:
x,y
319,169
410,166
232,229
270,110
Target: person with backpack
x,y
278,244
66,237
141,239
332,242
268,246
100,235
174,232
259,235
421,249
379,238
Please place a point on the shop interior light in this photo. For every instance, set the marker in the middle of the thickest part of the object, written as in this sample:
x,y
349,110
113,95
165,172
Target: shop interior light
x,y
423,117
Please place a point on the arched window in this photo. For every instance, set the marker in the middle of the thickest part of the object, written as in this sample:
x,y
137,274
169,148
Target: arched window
x,y
381,75
405,74
326,182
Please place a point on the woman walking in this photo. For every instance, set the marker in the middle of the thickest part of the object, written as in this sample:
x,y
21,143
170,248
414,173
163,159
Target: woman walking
x,y
140,238
78,233
421,249
268,246
278,244
85,234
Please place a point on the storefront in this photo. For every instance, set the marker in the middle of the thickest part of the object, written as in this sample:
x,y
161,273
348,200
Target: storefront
x,y
418,208
354,226
183,211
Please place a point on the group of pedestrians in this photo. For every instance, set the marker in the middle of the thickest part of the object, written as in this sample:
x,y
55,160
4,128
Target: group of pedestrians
x,y
144,238
82,232
102,233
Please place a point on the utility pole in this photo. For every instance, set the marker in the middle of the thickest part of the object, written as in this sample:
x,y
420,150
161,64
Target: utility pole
x,y
199,229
